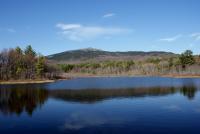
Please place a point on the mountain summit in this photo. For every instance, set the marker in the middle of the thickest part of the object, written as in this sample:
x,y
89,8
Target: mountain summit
x,y
90,49
98,54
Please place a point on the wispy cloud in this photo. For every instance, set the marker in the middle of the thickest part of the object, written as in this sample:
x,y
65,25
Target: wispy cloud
x,y
108,15
68,26
196,36
171,39
78,32
8,30
11,30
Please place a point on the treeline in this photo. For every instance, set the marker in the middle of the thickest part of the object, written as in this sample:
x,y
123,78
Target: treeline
x,y
24,64
27,64
185,63
103,67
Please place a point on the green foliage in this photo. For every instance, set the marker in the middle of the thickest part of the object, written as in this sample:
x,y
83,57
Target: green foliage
x,y
154,60
29,51
66,67
19,61
171,62
91,67
19,51
186,58
40,66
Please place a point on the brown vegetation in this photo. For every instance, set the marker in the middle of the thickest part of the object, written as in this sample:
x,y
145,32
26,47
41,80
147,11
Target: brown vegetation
x,y
185,64
17,64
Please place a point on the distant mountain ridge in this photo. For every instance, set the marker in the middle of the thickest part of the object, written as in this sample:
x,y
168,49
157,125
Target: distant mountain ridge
x,y
98,54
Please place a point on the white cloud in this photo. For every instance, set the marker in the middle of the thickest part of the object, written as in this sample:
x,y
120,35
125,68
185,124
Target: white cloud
x,y
171,39
196,36
68,26
108,15
11,30
78,32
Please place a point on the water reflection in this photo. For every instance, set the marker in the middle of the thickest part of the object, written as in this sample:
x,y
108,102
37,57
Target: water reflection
x,y
27,99
94,95
189,92
20,100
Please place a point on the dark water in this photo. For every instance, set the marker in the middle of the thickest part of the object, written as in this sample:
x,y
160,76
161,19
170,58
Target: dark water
x,y
102,105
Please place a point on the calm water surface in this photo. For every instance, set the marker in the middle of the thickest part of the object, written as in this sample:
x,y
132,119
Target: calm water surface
x,y
102,105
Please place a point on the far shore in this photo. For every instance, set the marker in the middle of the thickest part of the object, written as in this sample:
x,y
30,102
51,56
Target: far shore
x,y
130,75
71,76
181,76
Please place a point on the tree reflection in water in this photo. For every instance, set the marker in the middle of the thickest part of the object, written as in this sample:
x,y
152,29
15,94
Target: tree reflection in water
x,y
188,91
94,95
20,100
23,99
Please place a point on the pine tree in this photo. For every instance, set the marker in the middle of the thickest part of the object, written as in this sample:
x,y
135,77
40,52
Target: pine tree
x,y
40,66
30,57
29,51
19,62
187,58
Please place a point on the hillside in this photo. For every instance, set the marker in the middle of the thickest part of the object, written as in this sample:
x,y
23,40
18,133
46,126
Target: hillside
x,y
97,54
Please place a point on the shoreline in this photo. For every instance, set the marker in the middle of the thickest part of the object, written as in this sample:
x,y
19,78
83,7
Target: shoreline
x,y
10,82
182,76
129,75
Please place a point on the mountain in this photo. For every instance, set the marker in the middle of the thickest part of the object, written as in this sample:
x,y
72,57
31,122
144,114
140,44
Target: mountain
x,y
89,54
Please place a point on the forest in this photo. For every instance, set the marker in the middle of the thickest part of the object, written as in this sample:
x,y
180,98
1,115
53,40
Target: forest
x,y
24,64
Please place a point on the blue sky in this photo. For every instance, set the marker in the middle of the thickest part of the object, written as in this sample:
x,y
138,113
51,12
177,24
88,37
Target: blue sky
x,y
52,26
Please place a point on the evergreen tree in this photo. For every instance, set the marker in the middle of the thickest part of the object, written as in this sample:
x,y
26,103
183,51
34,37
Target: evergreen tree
x,y
19,50
29,51
19,62
187,58
30,57
40,66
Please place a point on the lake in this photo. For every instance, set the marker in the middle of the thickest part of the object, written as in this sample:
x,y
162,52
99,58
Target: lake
x,y
105,105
